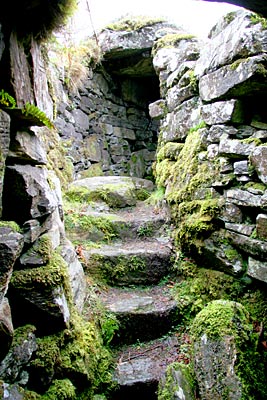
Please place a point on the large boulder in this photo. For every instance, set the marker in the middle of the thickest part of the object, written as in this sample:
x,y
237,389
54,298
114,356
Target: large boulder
x,y
225,364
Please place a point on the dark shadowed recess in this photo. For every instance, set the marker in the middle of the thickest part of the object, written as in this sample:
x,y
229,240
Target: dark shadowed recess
x,y
258,6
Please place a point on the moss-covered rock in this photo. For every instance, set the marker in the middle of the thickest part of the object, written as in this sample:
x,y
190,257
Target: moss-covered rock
x,y
227,363
177,383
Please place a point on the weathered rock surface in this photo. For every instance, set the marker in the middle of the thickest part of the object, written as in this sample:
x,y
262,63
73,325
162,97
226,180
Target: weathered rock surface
x,y
239,39
216,349
139,370
142,314
27,186
132,263
117,191
6,327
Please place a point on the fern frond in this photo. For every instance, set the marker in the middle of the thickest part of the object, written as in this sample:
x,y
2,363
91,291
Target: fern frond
x,y
32,110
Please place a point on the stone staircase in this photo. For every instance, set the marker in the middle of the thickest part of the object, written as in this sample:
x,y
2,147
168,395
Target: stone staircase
x,y
135,267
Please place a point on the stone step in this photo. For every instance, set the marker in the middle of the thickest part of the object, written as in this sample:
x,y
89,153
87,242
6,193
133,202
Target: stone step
x,y
136,262
139,368
116,191
140,221
143,314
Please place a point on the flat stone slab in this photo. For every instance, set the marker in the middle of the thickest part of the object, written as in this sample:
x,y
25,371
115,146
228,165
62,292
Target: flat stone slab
x,y
139,369
136,262
141,221
116,191
142,314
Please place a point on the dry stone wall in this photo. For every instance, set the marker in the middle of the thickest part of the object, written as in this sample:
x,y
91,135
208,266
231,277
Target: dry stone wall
x,y
212,144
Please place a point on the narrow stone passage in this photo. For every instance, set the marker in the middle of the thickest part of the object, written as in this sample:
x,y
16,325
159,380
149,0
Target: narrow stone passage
x,y
135,266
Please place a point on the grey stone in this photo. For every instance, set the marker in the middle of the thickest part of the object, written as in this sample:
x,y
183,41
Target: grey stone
x,y
234,79
261,226
27,147
241,167
76,275
150,262
177,123
157,110
28,187
239,39
253,247
179,93
17,360
258,160
243,229
221,256
257,269
142,314
121,190
92,148
4,146
6,328
11,244
118,43
146,369
81,120
217,131
222,112
243,198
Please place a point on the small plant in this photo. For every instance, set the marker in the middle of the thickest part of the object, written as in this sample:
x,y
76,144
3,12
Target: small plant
x,y
256,19
32,110
28,110
201,125
7,100
156,197
145,230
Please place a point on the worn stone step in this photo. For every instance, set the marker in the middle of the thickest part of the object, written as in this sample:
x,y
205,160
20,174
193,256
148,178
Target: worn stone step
x,y
139,368
136,262
116,191
140,221
143,314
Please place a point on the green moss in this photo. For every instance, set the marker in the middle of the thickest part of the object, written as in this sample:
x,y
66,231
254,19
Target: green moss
x,y
250,140
78,222
257,19
77,354
236,64
193,81
196,221
133,23
188,174
85,356
170,151
229,17
171,40
47,357
60,390
170,387
156,197
10,224
21,334
163,171
256,186
142,194
42,248
52,275
112,270
57,158
198,286
222,318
